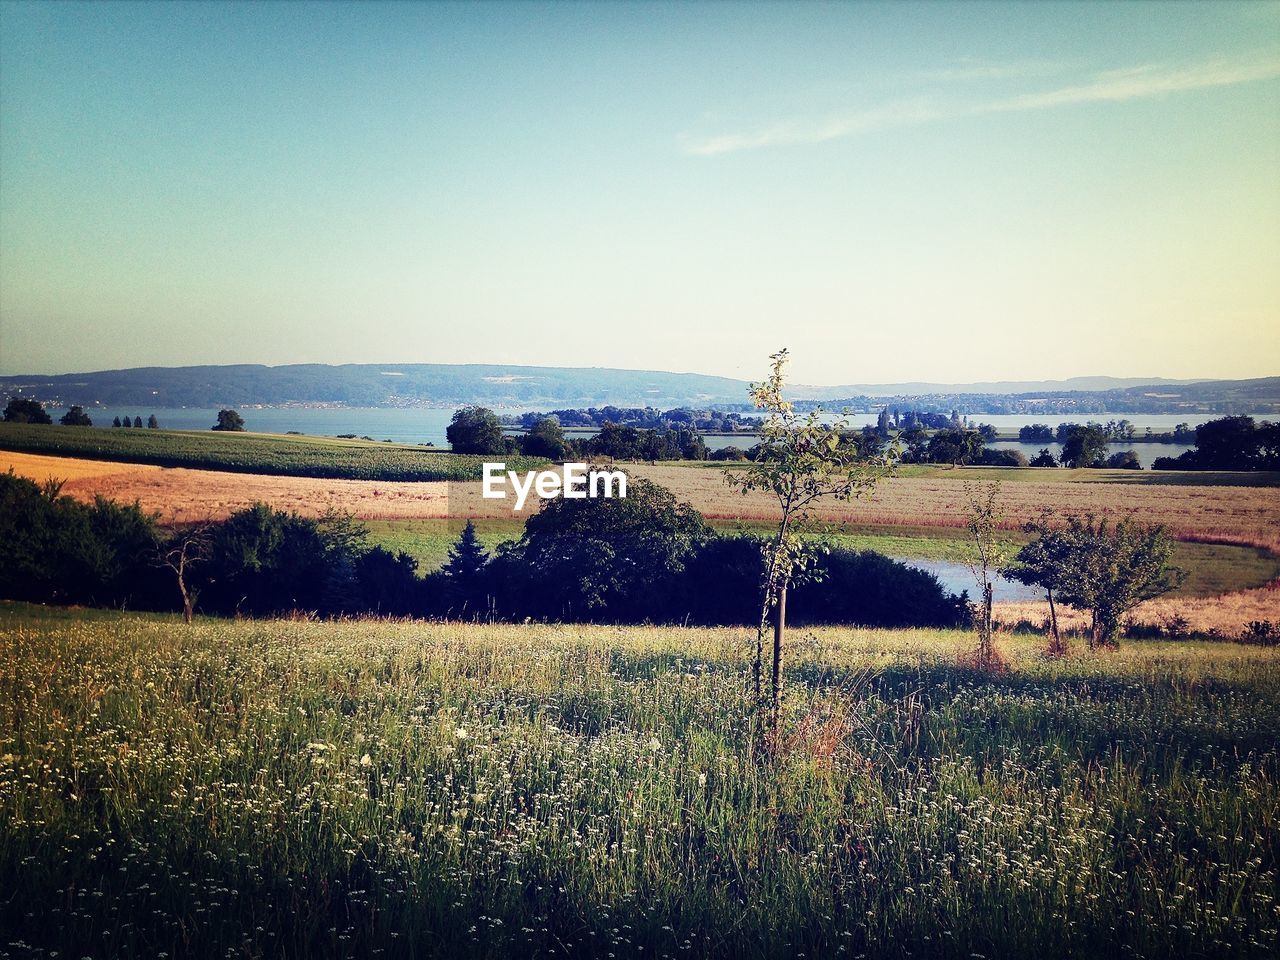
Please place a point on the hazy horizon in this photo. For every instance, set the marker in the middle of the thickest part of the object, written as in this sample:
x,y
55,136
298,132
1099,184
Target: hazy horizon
x,y
1132,380
945,193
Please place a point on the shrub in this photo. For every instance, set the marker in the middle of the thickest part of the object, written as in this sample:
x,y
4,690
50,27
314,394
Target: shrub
x,y
1261,633
1124,460
62,551
1003,458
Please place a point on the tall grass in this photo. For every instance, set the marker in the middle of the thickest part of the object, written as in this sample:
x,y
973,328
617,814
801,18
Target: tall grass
x,y
395,789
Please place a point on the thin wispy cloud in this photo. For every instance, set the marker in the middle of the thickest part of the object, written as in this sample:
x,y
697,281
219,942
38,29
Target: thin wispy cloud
x,y
1148,81
1108,87
819,130
972,69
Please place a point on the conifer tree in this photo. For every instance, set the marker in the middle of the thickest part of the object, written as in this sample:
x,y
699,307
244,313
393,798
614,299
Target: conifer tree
x,y
467,557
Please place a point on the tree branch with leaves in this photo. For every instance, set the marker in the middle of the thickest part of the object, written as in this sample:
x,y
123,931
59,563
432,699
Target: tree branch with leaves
x,y
987,558
804,460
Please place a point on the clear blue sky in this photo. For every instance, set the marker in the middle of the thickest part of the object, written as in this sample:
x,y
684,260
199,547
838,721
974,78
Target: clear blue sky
x,y
931,191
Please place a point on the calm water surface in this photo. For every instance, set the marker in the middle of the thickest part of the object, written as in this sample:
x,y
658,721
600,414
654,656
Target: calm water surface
x,y
956,577
427,424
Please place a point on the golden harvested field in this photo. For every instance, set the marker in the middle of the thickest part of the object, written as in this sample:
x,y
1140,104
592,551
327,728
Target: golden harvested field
x,y
180,495
1249,515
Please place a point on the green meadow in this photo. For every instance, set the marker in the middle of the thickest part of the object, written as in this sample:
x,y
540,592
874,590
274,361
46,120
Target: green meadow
x,y
364,788
1211,568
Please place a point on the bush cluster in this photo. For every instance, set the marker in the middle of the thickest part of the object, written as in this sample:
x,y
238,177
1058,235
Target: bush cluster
x,y
645,558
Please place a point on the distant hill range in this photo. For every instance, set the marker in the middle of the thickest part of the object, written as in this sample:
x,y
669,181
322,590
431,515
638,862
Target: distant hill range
x,y
1074,384
1078,396
376,385
438,384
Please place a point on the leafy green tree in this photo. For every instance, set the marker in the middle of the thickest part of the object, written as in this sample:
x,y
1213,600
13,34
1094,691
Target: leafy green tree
x,y
137,423
545,439
987,559
25,411
476,430
1108,569
613,559
1124,460
1229,443
915,441
153,423
619,442
1084,445
229,421
802,462
264,561
115,422
956,446
75,417
1048,562
1035,433
387,583
1044,459
1122,430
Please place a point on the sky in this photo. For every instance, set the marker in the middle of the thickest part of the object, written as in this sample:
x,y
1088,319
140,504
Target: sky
x,y
932,191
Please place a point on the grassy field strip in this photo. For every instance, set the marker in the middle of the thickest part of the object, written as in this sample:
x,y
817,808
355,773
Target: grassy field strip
x,y
340,789
1212,568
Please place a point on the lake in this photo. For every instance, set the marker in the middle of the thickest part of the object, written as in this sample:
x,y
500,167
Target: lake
x,y
427,424
956,577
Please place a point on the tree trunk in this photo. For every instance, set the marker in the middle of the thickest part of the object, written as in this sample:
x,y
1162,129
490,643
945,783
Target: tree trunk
x,y
1056,648
985,627
188,608
779,631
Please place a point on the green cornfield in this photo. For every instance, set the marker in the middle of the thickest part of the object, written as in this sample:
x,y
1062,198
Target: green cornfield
x,y
374,788
320,457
